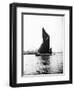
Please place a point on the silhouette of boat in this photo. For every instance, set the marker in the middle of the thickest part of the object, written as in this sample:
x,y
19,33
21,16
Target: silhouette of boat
x,y
45,46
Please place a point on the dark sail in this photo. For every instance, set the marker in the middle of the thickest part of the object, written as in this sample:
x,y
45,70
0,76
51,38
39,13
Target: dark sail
x,y
45,46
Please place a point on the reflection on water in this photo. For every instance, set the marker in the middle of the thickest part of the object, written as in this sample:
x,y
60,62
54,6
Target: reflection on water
x,y
45,64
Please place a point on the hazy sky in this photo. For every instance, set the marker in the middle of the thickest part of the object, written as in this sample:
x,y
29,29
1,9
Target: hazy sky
x,y
54,26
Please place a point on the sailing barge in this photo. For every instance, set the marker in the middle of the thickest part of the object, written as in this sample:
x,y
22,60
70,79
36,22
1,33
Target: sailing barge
x,y
45,46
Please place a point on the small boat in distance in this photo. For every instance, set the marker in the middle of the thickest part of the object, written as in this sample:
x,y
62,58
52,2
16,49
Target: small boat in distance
x,y
45,46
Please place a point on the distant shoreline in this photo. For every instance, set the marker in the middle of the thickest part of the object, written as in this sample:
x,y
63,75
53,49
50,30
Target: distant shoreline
x,y
30,53
36,53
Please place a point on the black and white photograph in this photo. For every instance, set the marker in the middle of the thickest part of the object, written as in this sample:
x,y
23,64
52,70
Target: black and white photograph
x,y
40,44
43,43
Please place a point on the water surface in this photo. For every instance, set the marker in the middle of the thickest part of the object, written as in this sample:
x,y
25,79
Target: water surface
x,y
45,64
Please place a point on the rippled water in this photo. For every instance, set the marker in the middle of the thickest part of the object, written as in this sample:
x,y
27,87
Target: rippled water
x,y
45,64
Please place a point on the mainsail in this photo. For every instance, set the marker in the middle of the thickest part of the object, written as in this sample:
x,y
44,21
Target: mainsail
x,y
45,46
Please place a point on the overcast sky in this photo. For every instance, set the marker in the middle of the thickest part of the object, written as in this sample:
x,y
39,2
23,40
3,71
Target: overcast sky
x,y
54,26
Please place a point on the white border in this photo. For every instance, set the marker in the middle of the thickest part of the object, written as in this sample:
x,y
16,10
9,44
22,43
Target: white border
x,y
66,52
